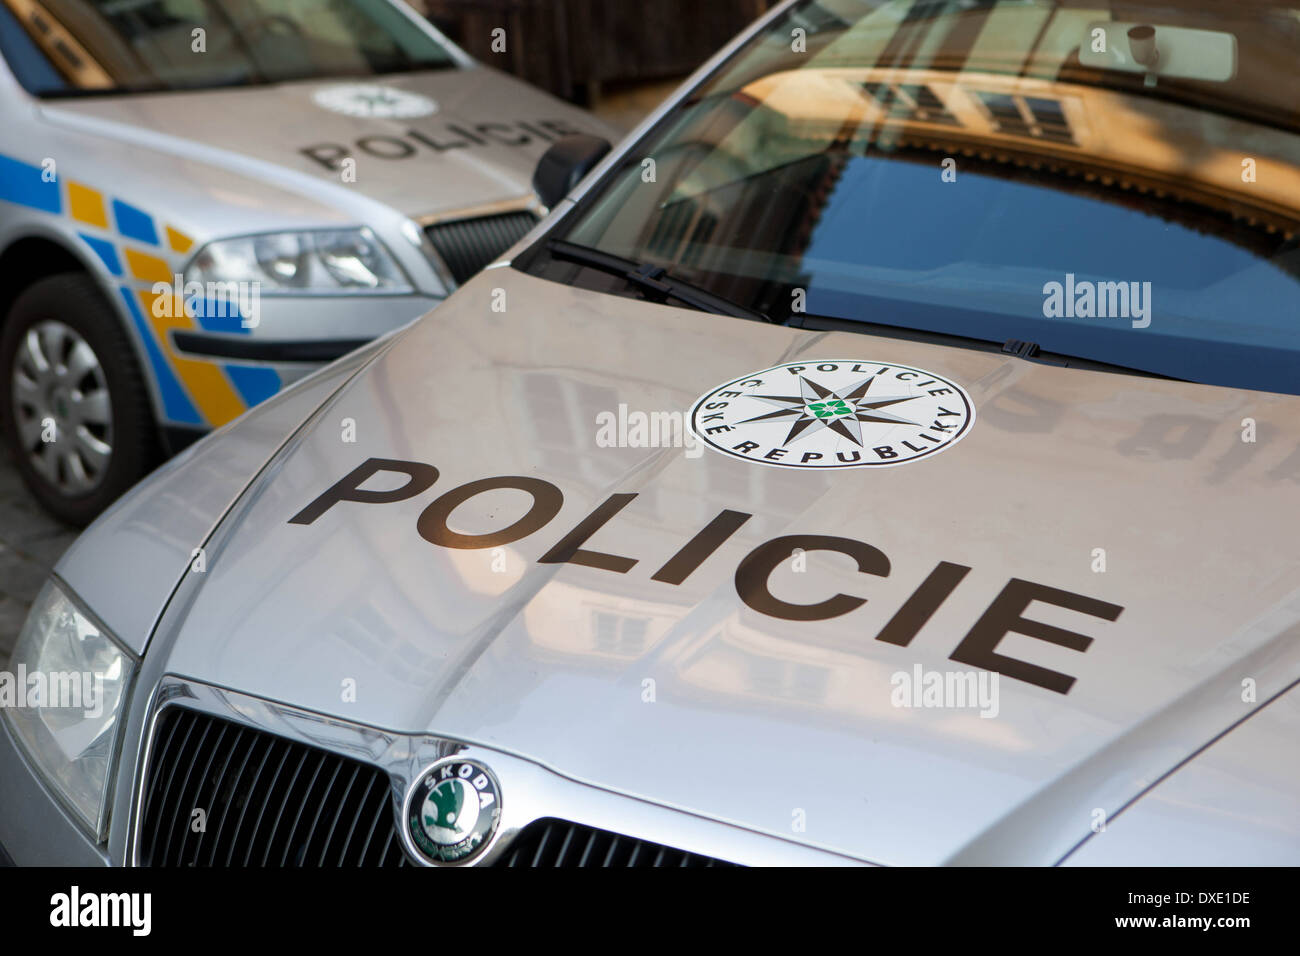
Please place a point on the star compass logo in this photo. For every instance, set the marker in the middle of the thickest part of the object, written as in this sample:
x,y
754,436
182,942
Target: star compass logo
x,y
838,414
373,100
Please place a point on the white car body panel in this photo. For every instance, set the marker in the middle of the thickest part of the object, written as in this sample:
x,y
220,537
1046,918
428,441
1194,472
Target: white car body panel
x,y
1060,461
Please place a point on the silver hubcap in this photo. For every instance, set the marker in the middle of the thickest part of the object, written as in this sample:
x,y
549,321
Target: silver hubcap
x,y
65,418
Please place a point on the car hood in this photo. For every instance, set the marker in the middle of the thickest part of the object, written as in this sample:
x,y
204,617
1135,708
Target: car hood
x,y
1134,491
478,147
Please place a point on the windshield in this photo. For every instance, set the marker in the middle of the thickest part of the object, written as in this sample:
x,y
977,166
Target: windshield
x,y
1021,170
70,47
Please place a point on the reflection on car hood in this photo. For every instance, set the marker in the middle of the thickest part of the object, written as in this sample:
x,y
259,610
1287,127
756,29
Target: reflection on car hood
x,y
1132,491
479,145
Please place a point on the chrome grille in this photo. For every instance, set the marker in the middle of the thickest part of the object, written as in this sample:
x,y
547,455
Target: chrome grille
x,y
467,245
270,801
558,843
265,800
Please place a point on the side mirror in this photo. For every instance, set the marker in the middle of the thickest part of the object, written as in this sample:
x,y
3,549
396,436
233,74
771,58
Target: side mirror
x,y
564,164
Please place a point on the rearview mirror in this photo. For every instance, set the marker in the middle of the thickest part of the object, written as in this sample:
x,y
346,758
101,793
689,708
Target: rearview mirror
x,y
1160,51
564,164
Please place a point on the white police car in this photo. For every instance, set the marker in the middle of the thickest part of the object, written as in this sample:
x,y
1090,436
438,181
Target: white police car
x,y
888,456
201,202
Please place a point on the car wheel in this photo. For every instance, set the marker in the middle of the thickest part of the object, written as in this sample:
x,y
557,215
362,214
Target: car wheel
x,y
74,406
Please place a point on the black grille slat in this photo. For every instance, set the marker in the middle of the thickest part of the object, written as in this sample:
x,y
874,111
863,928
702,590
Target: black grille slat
x,y
175,775
209,804
380,814
340,805
234,791
182,802
285,758
165,757
391,849
609,855
586,851
297,805
467,245
327,798
564,846
187,808
301,803
541,844
253,790
264,796
163,751
352,827
283,803
554,843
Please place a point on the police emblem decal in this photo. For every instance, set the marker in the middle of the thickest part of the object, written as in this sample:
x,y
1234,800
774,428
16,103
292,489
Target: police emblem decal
x,y
834,414
374,100
453,810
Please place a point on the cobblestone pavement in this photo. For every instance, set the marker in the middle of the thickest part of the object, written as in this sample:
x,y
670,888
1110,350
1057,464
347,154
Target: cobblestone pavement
x,y
30,543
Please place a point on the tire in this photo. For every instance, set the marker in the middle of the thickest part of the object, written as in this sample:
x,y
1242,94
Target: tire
x,y
95,400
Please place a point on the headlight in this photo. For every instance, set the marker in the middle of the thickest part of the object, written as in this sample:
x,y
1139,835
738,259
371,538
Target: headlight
x,y
68,681
334,261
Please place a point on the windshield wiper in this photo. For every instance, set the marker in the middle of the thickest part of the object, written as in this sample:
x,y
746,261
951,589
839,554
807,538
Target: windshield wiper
x,y
653,280
1015,348
1031,352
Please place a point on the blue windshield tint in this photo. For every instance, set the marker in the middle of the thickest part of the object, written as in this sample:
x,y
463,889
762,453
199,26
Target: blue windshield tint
x,y
987,247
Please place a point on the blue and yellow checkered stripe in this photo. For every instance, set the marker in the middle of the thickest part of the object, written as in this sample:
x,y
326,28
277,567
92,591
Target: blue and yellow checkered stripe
x,y
136,252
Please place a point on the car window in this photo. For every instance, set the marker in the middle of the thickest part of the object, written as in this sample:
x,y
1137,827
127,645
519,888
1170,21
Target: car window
x,y
980,170
63,47
23,55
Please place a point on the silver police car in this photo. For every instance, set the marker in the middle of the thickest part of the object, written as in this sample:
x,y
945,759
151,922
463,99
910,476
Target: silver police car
x,y
202,201
888,456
